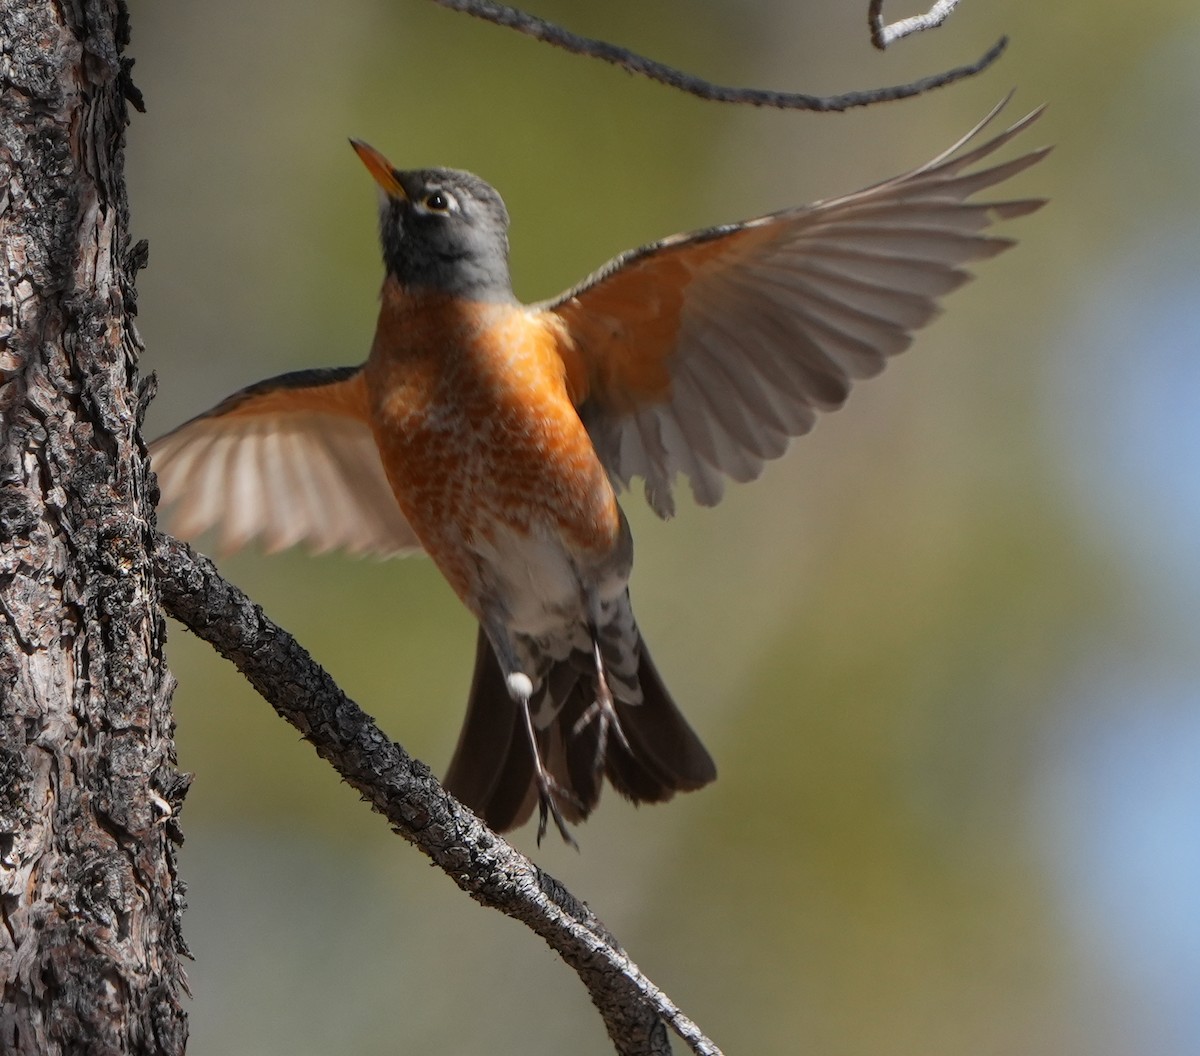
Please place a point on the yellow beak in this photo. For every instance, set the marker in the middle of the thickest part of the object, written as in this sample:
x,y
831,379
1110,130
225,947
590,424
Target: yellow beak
x,y
379,168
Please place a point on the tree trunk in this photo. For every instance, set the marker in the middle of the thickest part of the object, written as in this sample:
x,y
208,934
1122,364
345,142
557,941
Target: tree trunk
x,y
90,945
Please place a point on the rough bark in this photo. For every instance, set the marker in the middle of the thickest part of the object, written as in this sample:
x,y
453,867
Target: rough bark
x,y
90,945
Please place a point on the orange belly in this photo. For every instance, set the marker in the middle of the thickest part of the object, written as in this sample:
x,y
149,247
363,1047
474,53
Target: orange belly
x,y
481,441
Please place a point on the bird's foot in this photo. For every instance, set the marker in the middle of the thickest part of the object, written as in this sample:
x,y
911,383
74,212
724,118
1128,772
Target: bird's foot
x,y
549,792
602,711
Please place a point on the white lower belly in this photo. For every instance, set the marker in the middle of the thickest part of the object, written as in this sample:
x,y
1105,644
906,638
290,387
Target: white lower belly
x,y
535,581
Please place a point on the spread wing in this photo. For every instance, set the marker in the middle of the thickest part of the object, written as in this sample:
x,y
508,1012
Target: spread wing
x,y
704,354
289,460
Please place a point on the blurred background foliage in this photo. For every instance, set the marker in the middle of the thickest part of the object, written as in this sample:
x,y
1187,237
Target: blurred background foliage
x,y
944,652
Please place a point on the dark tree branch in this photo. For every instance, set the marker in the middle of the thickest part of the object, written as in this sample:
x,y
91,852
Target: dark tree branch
x,y
540,29
405,792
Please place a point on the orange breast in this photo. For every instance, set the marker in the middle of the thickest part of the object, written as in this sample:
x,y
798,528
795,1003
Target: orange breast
x,y
472,410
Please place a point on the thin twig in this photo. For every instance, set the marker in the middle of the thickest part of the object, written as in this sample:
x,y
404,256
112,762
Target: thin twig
x,y
405,792
882,36
540,29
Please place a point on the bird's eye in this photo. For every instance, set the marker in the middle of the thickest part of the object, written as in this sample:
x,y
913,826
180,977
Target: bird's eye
x,y
438,202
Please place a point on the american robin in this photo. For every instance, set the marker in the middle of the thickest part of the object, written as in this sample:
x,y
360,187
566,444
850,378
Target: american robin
x,y
496,436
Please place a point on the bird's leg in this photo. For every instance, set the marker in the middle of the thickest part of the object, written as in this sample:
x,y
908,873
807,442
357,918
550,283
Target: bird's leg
x,y
520,688
602,710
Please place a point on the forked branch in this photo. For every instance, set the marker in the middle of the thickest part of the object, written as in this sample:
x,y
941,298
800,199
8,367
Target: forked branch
x,y
631,62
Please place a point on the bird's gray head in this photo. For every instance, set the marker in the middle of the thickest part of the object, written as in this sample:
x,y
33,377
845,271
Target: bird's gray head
x,y
441,229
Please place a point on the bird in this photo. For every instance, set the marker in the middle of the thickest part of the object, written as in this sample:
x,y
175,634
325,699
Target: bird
x,y
497,437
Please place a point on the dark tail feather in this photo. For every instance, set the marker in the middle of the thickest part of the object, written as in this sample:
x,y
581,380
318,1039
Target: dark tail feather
x,y
667,756
492,769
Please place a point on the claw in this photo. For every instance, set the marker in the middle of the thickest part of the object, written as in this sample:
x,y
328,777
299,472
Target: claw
x,y
548,791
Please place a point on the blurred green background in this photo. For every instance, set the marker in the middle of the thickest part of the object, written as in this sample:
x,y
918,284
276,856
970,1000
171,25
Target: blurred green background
x,y
943,651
